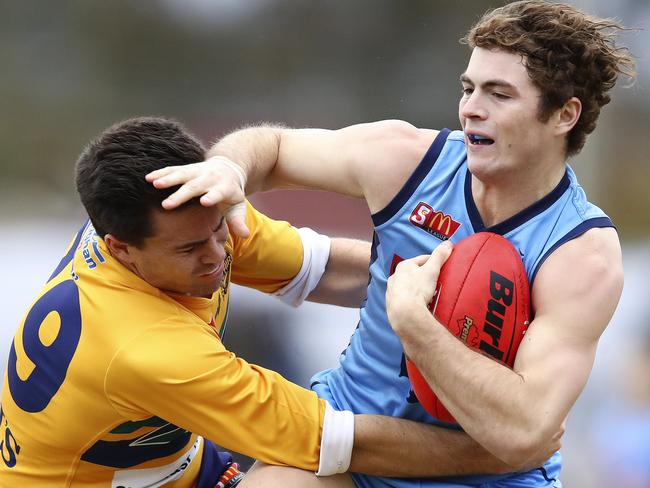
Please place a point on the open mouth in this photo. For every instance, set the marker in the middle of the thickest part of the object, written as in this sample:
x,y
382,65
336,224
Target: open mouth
x,y
477,140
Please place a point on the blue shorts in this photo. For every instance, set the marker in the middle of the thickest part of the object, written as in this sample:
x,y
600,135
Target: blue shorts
x,y
217,467
544,477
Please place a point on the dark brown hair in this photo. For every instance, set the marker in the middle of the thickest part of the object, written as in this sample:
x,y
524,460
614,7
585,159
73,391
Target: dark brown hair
x,y
567,54
110,174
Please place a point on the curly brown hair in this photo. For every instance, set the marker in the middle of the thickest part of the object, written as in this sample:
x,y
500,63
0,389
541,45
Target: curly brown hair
x,y
567,53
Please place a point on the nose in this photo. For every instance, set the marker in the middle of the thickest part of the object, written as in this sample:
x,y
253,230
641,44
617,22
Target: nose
x,y
214,251
471,107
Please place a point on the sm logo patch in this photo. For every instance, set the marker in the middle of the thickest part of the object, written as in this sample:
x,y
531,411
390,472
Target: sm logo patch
x,y
434,222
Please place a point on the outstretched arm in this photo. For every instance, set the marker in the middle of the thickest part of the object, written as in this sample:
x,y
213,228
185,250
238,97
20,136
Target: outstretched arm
x,y
423,450
514,412
370,161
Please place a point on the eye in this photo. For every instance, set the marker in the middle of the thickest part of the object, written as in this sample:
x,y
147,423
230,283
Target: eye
x,y
500,96
467,91
187,250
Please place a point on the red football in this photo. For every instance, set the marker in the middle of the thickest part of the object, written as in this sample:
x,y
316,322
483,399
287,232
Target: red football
x,y
483,298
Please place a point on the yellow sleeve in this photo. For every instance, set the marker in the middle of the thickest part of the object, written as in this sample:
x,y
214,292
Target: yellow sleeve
x,y
183,374
270,257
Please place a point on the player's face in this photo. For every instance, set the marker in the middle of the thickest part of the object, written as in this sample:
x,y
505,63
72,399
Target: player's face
x,y
498,112
186,254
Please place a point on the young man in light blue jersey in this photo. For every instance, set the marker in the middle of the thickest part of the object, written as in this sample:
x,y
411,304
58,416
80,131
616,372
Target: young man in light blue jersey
x,y
538,75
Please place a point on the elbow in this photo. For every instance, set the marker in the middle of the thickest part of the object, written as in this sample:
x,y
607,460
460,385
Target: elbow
x,y
517,453
531,448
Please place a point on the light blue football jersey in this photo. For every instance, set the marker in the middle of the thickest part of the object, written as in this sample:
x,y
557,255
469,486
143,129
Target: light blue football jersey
x,y
436,204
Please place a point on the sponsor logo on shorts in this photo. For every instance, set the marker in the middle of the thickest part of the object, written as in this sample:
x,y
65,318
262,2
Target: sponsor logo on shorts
x,y
159,476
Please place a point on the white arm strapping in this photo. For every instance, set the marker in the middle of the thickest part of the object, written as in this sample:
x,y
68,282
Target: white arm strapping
x,y
233,166
316,253
336,442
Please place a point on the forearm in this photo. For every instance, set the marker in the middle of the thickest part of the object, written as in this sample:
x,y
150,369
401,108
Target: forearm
x,y
255,149
278,157
345,279
492,403
386,446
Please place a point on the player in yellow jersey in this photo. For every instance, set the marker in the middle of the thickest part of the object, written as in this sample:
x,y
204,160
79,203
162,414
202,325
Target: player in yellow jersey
x,y
117,376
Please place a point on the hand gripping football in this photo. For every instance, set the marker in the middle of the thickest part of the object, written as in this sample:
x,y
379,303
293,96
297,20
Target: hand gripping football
x,y
483,298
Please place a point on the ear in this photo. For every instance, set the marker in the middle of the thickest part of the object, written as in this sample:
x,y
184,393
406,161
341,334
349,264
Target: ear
x,y
567,116
120,250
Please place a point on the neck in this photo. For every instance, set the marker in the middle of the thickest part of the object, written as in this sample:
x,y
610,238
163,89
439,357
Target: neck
x,y
118,257
501,198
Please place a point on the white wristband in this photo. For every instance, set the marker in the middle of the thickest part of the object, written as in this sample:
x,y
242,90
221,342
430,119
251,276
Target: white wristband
x,y
235,167
336,442
316,253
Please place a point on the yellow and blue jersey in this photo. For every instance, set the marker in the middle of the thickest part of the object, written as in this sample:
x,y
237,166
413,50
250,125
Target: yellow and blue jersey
x,y
112,382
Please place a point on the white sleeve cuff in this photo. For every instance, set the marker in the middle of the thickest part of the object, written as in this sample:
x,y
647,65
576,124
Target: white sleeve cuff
x,y
316,253
336,442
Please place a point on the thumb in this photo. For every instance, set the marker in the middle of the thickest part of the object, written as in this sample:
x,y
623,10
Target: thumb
x,y
236,217
438,257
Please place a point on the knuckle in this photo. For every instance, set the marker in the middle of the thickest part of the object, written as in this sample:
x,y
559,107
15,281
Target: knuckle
x,y
193,185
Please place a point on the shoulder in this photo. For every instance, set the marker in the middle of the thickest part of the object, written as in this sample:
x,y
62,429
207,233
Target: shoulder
x,y
270,256
585,272
265,231
390,133
596,253
383,155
